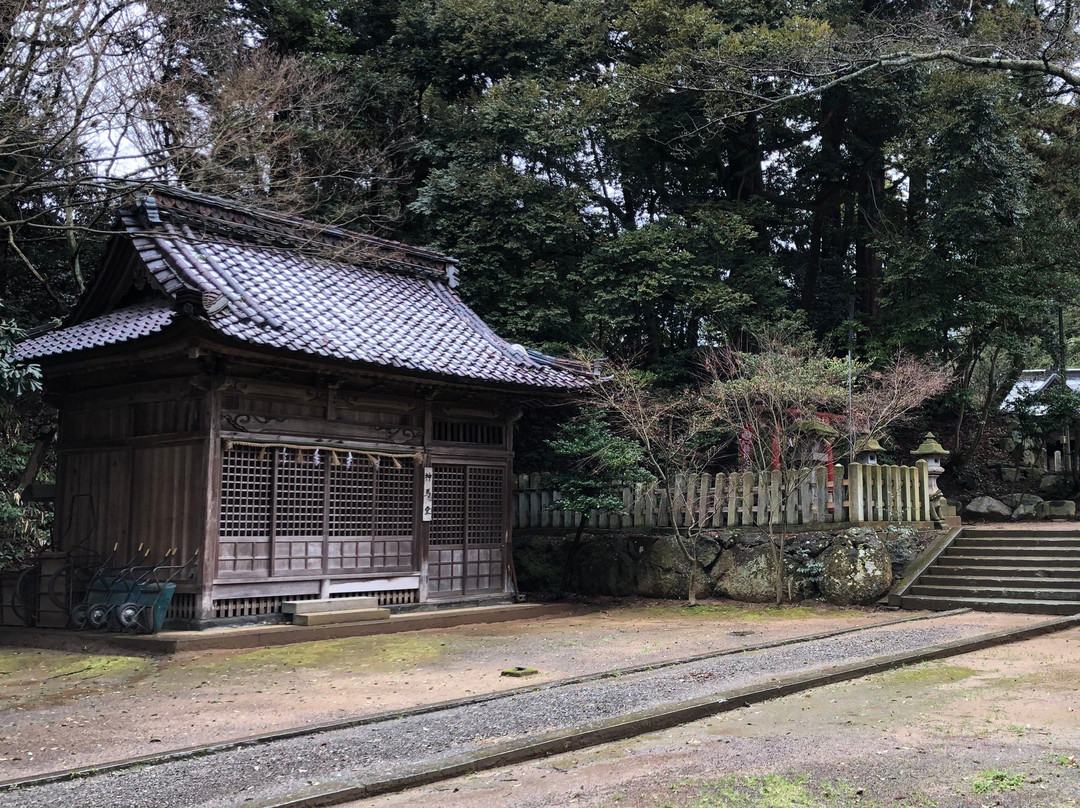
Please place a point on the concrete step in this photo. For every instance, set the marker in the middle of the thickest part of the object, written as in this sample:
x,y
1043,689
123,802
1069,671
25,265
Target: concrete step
x,y
1027,542
1019,532
993,592
1033,551
941,567
1006,578
984,560
328,605
343,616
990,605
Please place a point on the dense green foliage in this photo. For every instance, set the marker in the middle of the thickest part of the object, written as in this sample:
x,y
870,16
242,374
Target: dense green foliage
x,y
644,177
594,464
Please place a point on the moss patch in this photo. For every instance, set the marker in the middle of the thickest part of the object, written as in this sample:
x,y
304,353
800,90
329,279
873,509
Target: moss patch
x,y
381,653
38,677
42,665
928,673
768,791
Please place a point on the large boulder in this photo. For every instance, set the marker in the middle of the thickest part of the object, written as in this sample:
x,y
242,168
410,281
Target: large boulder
x,y
856,569
988,508
749,574
1016,500
1055,486
663,570
1056,509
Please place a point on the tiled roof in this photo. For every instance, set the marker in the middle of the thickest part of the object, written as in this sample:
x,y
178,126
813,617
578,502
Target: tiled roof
x,y
284,283
116,326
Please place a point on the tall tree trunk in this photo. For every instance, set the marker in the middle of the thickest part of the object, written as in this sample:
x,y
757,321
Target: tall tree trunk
x,y
868,266
834,112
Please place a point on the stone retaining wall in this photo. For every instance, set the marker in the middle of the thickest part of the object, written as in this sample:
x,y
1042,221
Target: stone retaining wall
x,y
854,565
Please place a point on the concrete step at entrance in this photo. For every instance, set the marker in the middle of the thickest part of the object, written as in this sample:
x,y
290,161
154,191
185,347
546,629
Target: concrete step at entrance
x,y
1031,542
992,592
1019,569
1019,532
1031,551
1009,561
990,604
328,605
344,616
934,577
1041,572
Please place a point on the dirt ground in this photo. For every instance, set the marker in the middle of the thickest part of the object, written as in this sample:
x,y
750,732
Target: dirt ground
x,y
995,728
64,709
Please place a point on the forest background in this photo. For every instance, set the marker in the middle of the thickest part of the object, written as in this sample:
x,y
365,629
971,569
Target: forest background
x,y
642,177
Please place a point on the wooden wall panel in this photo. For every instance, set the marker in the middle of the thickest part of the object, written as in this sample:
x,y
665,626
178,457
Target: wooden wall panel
x,y
168,498
93,511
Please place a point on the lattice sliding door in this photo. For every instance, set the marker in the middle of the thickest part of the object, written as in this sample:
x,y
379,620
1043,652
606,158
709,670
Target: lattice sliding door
x,y
315,512
395,510
466,540
247,475
352,486
485,530
299,511
446,534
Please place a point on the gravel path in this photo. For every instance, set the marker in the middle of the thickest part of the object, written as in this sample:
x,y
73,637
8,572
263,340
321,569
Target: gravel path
x,y
263,774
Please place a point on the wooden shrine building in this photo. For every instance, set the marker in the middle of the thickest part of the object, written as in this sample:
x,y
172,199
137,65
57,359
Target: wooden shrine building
x,y
314,411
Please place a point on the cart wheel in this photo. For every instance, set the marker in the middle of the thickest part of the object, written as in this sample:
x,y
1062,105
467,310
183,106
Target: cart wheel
x,y
22,599
78,616
69,583
125,616
98,614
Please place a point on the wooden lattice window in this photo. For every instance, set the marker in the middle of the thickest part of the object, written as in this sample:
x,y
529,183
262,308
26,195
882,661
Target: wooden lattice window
x,y
467,432
315,511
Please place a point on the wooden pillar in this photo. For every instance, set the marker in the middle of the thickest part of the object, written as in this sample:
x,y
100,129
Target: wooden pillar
x,y
806,497
879,499
856,506
732,499
708,500
747,499
821,481
839,513
791,496
762,487
775,481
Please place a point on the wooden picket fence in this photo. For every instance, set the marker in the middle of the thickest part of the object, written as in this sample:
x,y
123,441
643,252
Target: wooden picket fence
x,y
857,493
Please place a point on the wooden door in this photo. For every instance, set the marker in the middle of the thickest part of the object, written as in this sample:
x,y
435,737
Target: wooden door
x,y
467,538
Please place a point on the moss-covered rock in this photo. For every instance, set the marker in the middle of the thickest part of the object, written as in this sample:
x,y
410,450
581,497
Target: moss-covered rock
x,y
904,544
856,568
663,570
749,574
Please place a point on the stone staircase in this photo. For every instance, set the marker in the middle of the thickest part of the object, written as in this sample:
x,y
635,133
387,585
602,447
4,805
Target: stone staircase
x,y
1022,569
334,610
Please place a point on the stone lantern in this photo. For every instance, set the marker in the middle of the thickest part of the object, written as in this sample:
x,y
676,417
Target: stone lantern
x,y
934,454
868,451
